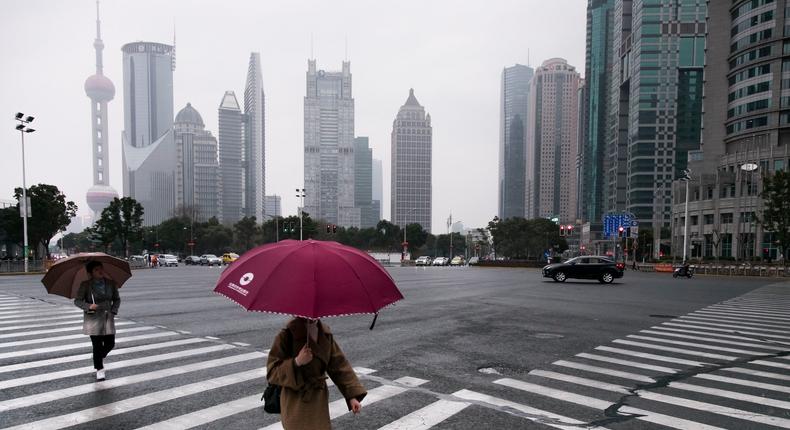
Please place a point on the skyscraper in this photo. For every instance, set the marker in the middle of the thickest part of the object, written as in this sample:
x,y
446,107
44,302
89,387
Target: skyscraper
x,y
254,140
100,90
363,183
513,115
595,104
273,207
329,146
656,105
197,175
378,188
231,148
552,141
412,151
149,153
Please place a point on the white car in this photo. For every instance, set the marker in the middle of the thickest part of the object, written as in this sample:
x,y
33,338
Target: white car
x,y
168,260
441,261
423,261
210,260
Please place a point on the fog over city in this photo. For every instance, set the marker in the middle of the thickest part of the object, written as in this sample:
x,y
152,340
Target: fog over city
x,y
451,53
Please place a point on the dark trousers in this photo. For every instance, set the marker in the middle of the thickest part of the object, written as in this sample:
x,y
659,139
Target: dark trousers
x,y
102,345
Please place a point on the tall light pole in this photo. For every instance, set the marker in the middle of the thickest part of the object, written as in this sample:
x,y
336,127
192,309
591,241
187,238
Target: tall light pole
x,y
749,168
23,128
300,193
405,224
686,178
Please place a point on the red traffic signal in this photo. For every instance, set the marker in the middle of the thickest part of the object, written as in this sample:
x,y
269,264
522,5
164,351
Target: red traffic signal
x,y
328,229
334,229
562,230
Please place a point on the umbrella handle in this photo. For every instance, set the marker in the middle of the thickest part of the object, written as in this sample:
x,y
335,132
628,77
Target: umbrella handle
x,y
373,324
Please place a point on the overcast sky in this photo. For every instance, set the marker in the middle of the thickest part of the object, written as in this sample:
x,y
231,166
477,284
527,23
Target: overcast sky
x,y
451,52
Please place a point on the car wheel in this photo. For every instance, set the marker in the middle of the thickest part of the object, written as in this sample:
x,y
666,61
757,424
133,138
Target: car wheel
x,y
607,278
560,276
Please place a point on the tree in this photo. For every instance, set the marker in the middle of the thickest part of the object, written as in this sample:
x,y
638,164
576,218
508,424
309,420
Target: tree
x,y
416,236
78,242
776,212
51,214
121,221
519,238
246,232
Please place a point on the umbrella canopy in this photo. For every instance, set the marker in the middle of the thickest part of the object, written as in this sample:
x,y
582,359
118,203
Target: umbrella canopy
x,y
66,275
310,279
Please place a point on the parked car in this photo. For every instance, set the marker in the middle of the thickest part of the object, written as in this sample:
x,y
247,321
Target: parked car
x,y
192,260
210,260
457,261
604,269
473,261
229,257
441,261
168,260
424,261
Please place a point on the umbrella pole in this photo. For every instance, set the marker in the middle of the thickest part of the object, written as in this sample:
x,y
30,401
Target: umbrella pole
x,y
373,324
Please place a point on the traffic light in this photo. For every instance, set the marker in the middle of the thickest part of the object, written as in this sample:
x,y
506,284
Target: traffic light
x,y
570,229
628,232
328,229
562,230
766,254
334,229
620,231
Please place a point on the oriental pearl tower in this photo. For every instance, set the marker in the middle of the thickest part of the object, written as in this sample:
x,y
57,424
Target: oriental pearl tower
x,y
100,90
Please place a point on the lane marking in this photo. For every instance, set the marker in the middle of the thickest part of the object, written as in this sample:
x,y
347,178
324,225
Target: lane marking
x,y
757,317
717,409
134,403
81,345
428,416
728,330
721,323
111,366
37,311
697,345
677,350
759,373
54,330
51,396
38,319
68,337
765,345
26,326
749,310
591,402
727,394
744,382
652,356
770,364
628,363
604,371
89,356
749,321
592,383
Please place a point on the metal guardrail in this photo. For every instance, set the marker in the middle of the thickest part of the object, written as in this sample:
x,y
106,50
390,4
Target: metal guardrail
x,y
729,270
18,266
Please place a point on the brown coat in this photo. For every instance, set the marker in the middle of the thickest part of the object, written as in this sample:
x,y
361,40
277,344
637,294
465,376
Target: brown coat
x,y
304,401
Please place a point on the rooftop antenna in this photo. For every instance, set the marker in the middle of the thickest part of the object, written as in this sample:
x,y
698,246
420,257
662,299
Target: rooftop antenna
x,y
528,65
173,57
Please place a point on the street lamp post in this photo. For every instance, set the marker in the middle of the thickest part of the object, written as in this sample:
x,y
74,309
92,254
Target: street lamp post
x,y
749,168
405,244
23,128
300,193
687,179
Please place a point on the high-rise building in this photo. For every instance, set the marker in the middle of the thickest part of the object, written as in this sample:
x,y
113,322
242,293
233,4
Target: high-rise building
x,y
513,115
378,188
254,140
656,102
329,146
149,153
412,152
746,133
197,175
231,149
363,184
552,142
594,108
273,207
100,90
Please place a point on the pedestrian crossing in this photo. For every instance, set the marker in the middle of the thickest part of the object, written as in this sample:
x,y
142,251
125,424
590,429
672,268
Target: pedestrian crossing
x,y
726,366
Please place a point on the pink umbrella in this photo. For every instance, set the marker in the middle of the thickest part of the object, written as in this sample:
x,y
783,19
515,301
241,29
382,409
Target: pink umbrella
x,y
66,275
310,279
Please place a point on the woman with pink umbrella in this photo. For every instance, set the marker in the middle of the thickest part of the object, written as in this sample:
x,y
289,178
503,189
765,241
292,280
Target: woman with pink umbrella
x,y
308,280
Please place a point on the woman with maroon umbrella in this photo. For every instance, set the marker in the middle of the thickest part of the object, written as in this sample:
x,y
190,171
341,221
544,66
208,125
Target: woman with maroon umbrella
x,y
309,280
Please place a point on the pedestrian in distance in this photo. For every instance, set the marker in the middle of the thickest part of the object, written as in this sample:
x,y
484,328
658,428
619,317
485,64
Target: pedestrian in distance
x,y
154,261
98,297
302,354
148,260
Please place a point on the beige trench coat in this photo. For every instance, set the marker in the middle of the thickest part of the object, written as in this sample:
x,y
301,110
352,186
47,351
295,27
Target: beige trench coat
x,y
102,322
304,401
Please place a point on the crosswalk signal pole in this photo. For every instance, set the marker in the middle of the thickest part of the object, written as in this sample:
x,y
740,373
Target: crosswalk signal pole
x,y
300,192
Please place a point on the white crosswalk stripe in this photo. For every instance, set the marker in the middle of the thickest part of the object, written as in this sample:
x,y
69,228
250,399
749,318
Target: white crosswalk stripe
x,y
68,337
428,416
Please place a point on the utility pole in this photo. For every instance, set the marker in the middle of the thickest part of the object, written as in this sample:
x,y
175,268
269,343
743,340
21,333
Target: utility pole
x,y
300,193
687,179
23,128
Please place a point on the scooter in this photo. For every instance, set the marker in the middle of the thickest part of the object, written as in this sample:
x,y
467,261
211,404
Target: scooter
x,y
683,271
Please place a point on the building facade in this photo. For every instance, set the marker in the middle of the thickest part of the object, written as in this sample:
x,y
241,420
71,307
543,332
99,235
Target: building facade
x,y
552,142
746,133
329,146
656,102
273,207
378,188
363,184
594,108
231,167
149,153
254,140
197,175
100,90
412,155
513,116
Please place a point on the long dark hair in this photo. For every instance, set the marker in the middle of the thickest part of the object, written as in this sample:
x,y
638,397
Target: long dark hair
x,y
92,265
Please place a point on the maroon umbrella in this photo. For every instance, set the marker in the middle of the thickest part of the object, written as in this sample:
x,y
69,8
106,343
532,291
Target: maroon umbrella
x,y
310,279
66,275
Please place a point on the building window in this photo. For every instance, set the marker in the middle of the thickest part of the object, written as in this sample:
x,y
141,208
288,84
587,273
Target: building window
x,y
747,216
749,107
708,245
751,39
752,55
749,90
694,220
708,218
749,6
726,218
779,165
726,245
747,124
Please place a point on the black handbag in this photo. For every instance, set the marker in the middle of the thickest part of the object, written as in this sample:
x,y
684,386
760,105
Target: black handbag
x,y
271,395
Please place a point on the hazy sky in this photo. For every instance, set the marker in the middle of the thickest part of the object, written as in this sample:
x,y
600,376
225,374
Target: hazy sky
x,y
451,52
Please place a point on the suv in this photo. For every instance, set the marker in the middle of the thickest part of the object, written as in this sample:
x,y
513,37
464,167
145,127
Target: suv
x,y
423,261
210,260
192,260
168,260
604,269
229,257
